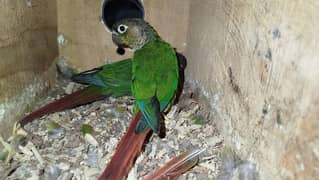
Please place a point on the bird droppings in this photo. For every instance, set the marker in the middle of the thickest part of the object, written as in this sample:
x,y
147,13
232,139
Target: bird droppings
x,y
232,82
2,111
64,69
268,54
28,3
276,34
61,40
68,153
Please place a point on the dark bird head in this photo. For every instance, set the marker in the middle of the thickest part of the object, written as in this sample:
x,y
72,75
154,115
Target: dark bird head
x,y
132,33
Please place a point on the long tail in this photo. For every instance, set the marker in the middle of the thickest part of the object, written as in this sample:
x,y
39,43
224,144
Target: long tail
x,y
176,166
85,96
127,151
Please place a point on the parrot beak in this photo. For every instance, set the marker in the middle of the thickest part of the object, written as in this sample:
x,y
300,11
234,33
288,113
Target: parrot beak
x,y
116,40
114,32
120,46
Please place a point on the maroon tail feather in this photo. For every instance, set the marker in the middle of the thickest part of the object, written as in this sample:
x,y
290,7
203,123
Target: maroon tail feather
x,y
126,152
78,98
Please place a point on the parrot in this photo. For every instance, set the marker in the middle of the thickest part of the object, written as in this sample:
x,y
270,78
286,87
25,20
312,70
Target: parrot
x,y
112,79
155,71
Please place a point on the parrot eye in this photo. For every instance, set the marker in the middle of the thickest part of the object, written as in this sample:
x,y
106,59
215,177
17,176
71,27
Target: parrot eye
x,y
122,28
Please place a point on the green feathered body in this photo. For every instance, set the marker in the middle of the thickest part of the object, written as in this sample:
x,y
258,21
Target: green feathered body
x,y
154,81
155,73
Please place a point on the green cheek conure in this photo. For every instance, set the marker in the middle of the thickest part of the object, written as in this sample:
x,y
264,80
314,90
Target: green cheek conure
x,y
113,79
154,70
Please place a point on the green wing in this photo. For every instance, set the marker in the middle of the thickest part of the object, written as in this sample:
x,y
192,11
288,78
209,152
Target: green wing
x,y
113,79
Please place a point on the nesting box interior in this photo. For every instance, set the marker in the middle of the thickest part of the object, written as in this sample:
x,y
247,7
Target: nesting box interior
x,y
254,64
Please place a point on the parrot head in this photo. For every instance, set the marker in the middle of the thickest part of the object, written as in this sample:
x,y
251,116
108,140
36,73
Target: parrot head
x,y
132,33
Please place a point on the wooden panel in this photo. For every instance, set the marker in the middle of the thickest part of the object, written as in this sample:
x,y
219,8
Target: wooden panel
x,y
27,50
257,62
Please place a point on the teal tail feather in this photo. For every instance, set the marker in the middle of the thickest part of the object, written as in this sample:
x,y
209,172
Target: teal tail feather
x,y
89,78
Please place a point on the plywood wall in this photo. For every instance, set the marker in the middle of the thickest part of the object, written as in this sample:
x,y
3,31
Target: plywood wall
x,y
27,50
257,62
